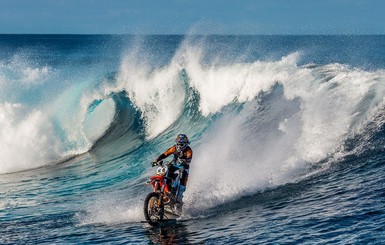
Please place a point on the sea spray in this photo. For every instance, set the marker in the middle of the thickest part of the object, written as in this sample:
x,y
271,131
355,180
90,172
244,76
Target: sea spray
x,y
323,107
252,177
158,94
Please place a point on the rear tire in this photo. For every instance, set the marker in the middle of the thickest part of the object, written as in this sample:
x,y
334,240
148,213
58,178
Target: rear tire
x,y
153,208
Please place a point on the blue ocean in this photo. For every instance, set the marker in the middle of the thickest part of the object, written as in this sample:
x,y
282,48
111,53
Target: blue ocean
x,y
288,134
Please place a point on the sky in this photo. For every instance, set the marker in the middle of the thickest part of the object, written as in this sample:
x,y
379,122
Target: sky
x,y
255,17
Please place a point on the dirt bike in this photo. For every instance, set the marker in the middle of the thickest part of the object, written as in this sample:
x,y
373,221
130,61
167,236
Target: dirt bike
x,y
162,203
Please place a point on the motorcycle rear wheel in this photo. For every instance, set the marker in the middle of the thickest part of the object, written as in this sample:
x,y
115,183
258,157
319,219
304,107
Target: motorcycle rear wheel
x,y
153,208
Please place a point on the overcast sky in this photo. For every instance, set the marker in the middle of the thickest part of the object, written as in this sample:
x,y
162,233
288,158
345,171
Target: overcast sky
x,y
192,16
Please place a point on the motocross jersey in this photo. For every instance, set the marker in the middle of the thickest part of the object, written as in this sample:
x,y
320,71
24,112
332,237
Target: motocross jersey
x,y
185,156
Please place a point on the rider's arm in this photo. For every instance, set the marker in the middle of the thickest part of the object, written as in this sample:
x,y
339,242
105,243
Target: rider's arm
x,y
166,153
189,154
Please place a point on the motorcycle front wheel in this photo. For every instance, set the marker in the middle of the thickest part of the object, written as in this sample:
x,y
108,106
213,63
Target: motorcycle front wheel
x,y
153,208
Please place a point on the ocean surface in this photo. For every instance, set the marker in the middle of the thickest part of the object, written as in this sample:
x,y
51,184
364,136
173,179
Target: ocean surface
x,y
288,135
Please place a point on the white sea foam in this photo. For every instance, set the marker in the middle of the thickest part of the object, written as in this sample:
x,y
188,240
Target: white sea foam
x,y
33,134
256,149
25,140
329,103
25,132
158,94
107,212
320,107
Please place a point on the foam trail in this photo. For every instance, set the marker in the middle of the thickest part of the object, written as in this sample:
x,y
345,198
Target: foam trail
x,y
112,215
108,212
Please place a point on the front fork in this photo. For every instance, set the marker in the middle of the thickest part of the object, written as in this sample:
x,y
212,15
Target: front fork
x,y
160,191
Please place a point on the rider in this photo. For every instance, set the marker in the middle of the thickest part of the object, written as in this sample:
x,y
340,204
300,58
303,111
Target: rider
x,y
182,154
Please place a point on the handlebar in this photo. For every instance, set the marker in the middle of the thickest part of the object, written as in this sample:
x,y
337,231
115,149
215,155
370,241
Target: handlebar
x,y
160,163
168,164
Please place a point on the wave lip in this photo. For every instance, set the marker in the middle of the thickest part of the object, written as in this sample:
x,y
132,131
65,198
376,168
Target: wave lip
x,y
100,116
142,102
122,129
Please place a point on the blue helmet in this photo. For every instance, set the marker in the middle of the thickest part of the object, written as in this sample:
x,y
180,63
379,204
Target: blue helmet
x,y
181,142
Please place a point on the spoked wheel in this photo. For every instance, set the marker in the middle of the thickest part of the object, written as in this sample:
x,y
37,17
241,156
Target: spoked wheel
x,y
153,208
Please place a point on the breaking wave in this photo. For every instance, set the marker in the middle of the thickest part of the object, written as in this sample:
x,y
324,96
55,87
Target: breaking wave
x,y
254,124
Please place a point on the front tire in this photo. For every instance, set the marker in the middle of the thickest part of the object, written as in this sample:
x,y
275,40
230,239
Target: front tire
x,y
153,208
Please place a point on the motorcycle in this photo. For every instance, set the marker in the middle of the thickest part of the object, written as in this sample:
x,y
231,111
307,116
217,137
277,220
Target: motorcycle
x,y
162,203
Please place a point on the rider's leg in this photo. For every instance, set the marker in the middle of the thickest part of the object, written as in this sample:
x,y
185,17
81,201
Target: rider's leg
x,y
182,186
173,176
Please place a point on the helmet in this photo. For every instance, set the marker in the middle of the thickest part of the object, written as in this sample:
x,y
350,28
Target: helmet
x,y
181,142
161,171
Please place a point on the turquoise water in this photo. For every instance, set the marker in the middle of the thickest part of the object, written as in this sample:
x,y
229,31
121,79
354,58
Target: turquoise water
x,y
287,133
